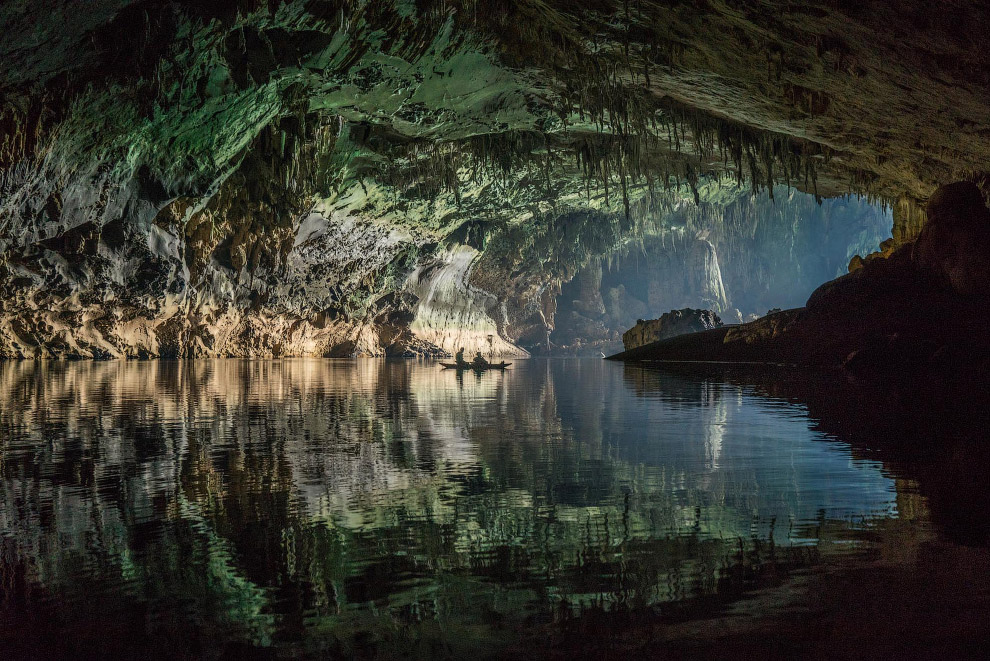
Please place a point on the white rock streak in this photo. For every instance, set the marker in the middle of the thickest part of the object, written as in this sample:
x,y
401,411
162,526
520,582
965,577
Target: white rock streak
x,y
451,313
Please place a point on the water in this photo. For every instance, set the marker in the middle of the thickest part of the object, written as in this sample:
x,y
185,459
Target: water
x,y
391,509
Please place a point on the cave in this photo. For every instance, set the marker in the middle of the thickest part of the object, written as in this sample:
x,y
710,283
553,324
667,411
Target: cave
x,y
723,269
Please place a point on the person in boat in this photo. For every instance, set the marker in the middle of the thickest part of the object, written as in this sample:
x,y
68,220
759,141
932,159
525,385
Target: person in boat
x,y
459,357
479,361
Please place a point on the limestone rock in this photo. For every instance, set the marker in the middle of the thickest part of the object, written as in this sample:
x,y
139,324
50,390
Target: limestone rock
x,y
261,178
671,324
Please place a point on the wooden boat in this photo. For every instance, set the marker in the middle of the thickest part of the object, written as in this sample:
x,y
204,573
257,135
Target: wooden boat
x,y
469,366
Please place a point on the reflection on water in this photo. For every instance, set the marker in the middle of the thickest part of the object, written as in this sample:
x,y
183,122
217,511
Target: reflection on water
x,y
388,507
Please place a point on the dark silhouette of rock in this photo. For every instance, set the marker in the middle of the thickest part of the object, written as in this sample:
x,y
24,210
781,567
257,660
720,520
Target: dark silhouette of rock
x,y
954,245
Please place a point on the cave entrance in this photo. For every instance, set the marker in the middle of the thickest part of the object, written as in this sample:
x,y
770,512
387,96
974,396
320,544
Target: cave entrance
x,y
740,261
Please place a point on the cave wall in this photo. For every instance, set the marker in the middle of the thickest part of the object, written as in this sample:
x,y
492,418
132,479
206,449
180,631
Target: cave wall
x,y
258,267
224,192
452,314
250,177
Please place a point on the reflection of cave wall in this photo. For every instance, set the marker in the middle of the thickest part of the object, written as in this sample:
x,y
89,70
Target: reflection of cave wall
x,y
751,256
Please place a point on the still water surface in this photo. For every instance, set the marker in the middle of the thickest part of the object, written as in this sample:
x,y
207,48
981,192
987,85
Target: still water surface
x,y
388,508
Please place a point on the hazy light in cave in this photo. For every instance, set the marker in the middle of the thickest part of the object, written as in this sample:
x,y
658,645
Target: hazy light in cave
x,y
740,261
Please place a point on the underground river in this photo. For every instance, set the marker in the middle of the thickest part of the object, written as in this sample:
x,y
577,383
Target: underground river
x,y
387,508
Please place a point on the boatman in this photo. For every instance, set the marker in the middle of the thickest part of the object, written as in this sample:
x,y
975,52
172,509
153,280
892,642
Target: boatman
x,y
459,357
479,361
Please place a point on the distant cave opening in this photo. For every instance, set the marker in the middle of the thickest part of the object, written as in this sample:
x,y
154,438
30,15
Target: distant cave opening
x,y
752,256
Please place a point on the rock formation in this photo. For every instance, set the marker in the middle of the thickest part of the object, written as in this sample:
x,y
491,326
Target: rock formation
x,y
670,324
954,246
452,314
277,178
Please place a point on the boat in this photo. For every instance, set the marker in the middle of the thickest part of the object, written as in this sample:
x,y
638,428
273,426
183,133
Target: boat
x,y
470,366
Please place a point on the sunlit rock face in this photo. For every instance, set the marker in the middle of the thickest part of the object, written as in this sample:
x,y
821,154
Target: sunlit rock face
x,y
640,281
262,178
452,314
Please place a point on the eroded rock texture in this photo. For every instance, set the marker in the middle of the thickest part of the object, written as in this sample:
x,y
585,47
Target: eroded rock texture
x,y
296,177
670,324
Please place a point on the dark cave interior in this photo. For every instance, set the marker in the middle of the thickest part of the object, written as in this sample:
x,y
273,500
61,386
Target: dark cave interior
x,y
773,213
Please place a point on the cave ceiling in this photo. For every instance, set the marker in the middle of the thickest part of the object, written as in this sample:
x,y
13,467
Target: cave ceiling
x,y
884,98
